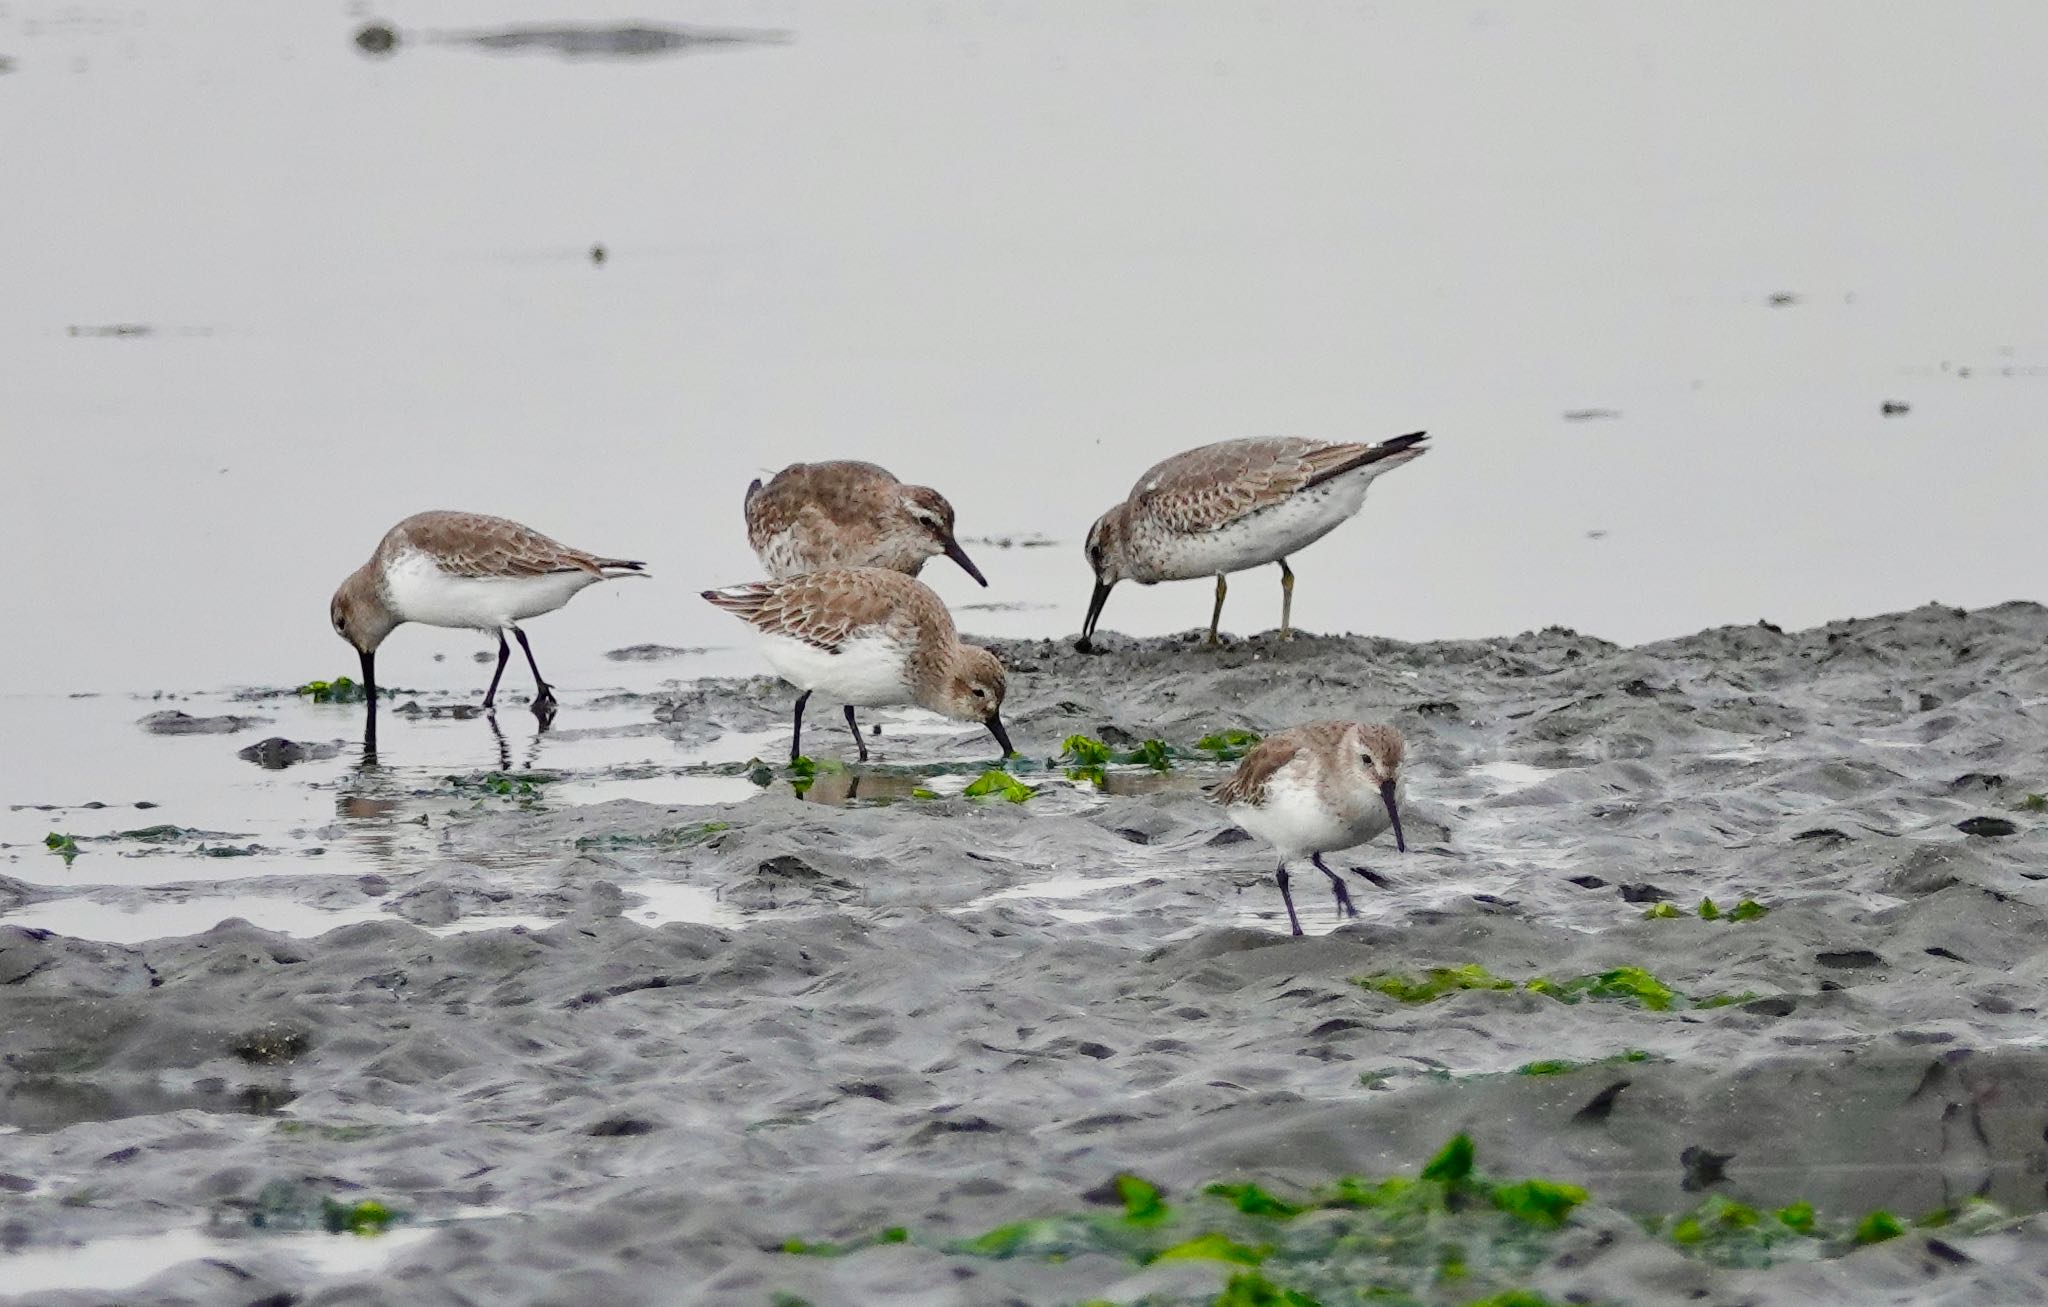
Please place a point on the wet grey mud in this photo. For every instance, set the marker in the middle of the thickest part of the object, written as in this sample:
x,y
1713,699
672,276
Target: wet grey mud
x,y
1728,945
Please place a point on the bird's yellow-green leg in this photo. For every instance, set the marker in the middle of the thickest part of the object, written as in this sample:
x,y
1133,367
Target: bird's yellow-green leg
x,y
1286,601
1217,616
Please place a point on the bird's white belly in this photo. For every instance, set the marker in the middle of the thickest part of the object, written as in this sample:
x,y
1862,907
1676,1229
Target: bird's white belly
x,y
868,671
1263,537
1296,821
421,592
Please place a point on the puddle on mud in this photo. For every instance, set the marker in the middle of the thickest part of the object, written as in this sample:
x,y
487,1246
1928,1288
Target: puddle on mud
x,y
124,923
183,819
665,901
108,1265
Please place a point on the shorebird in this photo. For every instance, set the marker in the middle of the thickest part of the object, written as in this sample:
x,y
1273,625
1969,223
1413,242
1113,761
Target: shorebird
x,y
812,516
867,636
1231,506
1317,788
464,570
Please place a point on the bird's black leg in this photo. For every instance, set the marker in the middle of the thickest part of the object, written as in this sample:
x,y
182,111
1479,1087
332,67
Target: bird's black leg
x,y
796,738
1336,887
543,693
504,655
1280,877
854,726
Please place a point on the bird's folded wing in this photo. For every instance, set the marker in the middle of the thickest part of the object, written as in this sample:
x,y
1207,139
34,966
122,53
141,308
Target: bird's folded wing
x,y
478,545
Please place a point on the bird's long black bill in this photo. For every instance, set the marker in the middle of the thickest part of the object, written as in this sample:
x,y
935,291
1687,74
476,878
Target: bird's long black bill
x,y
1095,603
959,555
369,661
995,728
1393,814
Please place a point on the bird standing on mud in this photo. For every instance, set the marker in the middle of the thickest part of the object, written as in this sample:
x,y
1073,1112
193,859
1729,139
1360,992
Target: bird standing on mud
x,y
1317,788
1231,506
868,637
846,514
464,570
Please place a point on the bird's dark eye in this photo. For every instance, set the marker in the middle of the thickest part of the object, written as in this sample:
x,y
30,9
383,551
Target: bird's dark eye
x,y
980,693
1368,759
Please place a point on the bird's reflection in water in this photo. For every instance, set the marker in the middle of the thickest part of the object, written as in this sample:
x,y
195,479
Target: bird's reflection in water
x,y
532,746
839,788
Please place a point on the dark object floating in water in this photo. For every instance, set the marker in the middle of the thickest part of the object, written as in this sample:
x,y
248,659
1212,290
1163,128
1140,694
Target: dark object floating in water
x,y
1894,407
278,753
174,722
1590,414
1601,1105
649,653
597,255
1703,1167
378,39
629,42
1783,299
112,329
1989,827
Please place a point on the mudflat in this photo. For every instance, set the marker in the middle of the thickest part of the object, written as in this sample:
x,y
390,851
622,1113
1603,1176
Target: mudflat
x,y
1739,934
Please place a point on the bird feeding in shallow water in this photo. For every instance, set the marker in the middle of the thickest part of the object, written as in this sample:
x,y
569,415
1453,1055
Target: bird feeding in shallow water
x,y
1231,506
868,637
467,570
812,516
1317,788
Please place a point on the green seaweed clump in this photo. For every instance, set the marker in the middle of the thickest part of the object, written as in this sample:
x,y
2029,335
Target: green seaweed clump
x,y
994,782
1623,984
1877,1227
1229,745
1433,984
1084,751
1086,757
341,689
1559,1066
366,1217
1254,1201
1445,1235
1156,754
805,1248
1251,1289
64,846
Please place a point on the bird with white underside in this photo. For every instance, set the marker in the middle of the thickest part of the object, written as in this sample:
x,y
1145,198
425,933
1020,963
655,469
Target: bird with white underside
x,y
468,570
868,637
1318,788
1230,506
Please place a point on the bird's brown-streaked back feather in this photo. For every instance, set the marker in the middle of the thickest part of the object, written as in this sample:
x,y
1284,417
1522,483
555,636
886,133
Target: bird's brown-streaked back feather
x,y
479,545
1248,783
826,608
1211,487
843,492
